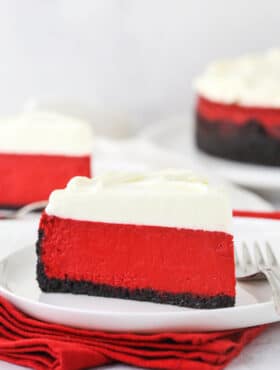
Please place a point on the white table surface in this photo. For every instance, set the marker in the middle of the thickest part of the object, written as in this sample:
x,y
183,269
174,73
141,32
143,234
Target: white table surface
x,y
261,354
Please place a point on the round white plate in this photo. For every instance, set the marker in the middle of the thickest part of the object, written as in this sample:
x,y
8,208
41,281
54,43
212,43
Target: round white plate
x,y
177,134
254,305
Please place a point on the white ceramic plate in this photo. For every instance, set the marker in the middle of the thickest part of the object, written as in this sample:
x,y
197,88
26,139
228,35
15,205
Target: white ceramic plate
x,y
176,134
254,306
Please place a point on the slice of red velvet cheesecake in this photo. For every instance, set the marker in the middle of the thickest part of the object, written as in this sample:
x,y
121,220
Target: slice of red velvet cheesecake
x,y
160,237
238,109
40,152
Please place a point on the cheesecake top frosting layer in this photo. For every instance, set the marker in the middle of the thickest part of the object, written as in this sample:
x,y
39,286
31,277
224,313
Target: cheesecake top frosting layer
x,y
251,80
171,198
45,133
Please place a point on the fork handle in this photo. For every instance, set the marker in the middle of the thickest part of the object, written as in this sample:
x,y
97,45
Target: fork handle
x,y
274,281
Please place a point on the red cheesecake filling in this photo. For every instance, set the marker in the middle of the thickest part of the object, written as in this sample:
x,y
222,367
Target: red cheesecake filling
x,y
239,115
152,258
27,178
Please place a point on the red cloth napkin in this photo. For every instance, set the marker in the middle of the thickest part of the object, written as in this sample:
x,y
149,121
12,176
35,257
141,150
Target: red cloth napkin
x,y
40,345
272,215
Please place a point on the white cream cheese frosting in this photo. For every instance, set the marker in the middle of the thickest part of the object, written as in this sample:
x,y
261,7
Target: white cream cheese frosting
x,y
45,133
250,80
171,198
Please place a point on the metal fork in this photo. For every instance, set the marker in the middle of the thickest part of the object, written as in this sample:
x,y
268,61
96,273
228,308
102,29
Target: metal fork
x,y
260,268
23,211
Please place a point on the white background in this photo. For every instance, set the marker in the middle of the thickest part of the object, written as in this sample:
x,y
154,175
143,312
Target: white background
x,y
127,55
137,56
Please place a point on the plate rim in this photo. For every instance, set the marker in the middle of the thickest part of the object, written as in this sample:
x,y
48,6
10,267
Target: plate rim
x,y
194,312
124,319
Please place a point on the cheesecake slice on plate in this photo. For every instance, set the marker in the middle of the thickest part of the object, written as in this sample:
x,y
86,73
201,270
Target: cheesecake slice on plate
x,y
160,237
40,152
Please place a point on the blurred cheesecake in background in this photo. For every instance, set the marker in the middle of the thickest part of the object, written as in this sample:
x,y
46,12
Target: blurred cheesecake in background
x,y
40,152
238,109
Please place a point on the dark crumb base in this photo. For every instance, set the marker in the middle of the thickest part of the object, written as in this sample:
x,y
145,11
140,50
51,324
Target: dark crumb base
x,y
247,143
86,287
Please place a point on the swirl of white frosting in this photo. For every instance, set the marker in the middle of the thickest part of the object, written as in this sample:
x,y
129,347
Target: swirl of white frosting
x,y
250,80
45,133
123,179
172,198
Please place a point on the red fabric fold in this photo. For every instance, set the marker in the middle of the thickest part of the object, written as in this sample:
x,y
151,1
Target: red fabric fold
x,y
40,345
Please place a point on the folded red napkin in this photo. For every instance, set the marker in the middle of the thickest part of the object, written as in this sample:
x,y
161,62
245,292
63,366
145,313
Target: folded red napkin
x,y
41,345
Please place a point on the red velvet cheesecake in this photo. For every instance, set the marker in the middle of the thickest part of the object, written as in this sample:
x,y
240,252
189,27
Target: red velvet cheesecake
x,y
40,152
160,237
238,109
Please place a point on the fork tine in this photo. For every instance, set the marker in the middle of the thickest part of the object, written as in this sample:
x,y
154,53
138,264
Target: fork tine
x,y
236,257
258,254
246,254
270,255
